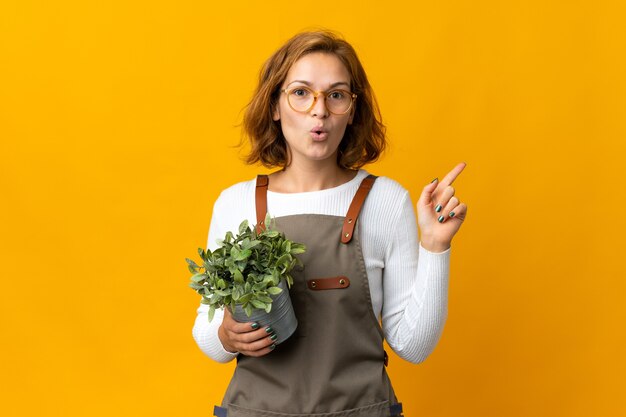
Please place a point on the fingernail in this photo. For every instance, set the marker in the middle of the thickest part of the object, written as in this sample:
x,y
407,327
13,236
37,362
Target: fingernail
x,y
269,329
274,336
255,325
436,179
451,214
438,208
273,346
440,219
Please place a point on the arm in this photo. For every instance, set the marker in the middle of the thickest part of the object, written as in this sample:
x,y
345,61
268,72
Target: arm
x,y
204,333
415,317
223,338
415,285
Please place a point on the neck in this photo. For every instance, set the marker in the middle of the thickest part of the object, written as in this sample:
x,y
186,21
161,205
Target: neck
x,y
305,177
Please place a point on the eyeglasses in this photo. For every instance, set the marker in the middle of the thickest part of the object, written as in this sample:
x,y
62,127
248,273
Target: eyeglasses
x,y
302,99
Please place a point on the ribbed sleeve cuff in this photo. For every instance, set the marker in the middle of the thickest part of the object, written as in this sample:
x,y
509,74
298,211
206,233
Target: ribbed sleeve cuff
x,y
205,335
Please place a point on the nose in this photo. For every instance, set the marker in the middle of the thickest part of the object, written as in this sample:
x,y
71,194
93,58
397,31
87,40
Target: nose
x,y
319,107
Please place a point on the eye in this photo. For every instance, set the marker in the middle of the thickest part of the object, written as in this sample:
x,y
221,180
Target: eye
x,y
300,92
337,95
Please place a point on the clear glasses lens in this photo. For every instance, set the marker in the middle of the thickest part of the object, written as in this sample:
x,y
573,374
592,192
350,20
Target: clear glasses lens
x,y
337,101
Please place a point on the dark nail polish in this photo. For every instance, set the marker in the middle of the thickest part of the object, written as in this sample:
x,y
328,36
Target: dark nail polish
x,y
436,179
274,336
255,325
269,329
272,346
438,208
451,214
440,219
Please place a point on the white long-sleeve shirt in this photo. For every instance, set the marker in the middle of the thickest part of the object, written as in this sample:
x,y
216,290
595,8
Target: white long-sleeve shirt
x,y
408,284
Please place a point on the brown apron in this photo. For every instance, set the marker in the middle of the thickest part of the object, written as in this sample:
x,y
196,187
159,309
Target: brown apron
x,y
334,364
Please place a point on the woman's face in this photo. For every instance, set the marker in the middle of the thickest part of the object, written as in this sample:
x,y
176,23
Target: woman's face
x,y
320,72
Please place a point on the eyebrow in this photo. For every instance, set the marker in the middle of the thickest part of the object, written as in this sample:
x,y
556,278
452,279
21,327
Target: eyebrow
x,y
333,85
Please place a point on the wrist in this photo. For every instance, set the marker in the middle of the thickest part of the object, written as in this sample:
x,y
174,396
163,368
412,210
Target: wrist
x,y
433,245
222,337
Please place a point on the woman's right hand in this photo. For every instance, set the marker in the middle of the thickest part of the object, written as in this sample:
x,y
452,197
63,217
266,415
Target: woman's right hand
x,y
246,338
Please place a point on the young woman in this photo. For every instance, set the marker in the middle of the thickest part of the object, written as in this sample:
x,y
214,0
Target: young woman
x,y
315,118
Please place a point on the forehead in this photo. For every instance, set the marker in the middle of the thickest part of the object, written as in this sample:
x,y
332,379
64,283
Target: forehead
x,y
319,69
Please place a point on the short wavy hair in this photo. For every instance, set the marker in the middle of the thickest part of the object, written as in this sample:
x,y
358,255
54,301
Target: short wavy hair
x,y
364,139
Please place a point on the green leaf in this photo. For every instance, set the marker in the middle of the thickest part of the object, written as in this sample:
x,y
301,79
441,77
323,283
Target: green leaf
x,y
248,310
211,312
268,308
199,277
244,254
297,249
238,277
258,304
245,298
243,227
192,263
253,243
264,298
286,258
270,279
274,290
236,293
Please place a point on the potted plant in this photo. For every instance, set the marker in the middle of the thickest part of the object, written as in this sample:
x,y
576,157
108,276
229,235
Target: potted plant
x,y
250,275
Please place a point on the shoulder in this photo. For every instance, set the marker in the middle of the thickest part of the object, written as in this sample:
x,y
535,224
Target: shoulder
x,y
235,204
389,191
236,193
387,202
387,211
232,206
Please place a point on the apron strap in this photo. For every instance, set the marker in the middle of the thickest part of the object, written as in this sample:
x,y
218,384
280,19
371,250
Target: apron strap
x,y
262,182
261,201
355,208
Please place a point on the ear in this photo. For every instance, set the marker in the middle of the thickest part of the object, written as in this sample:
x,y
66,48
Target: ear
x,y
276,113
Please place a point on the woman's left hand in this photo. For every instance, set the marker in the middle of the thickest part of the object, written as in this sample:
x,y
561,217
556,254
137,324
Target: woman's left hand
x,y
440,213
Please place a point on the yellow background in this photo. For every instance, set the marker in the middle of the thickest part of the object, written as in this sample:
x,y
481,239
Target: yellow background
x,y
117,126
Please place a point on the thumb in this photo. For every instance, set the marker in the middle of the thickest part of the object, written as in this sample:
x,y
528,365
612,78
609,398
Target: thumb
x,y
427,193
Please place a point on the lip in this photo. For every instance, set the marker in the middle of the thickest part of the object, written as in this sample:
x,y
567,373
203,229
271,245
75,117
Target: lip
x,y
319,136
319,133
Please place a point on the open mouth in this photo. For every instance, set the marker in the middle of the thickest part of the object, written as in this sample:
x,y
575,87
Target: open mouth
x,y
319,134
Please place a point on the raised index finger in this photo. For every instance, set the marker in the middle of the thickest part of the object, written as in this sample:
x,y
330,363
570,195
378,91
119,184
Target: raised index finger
x,y
451,176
